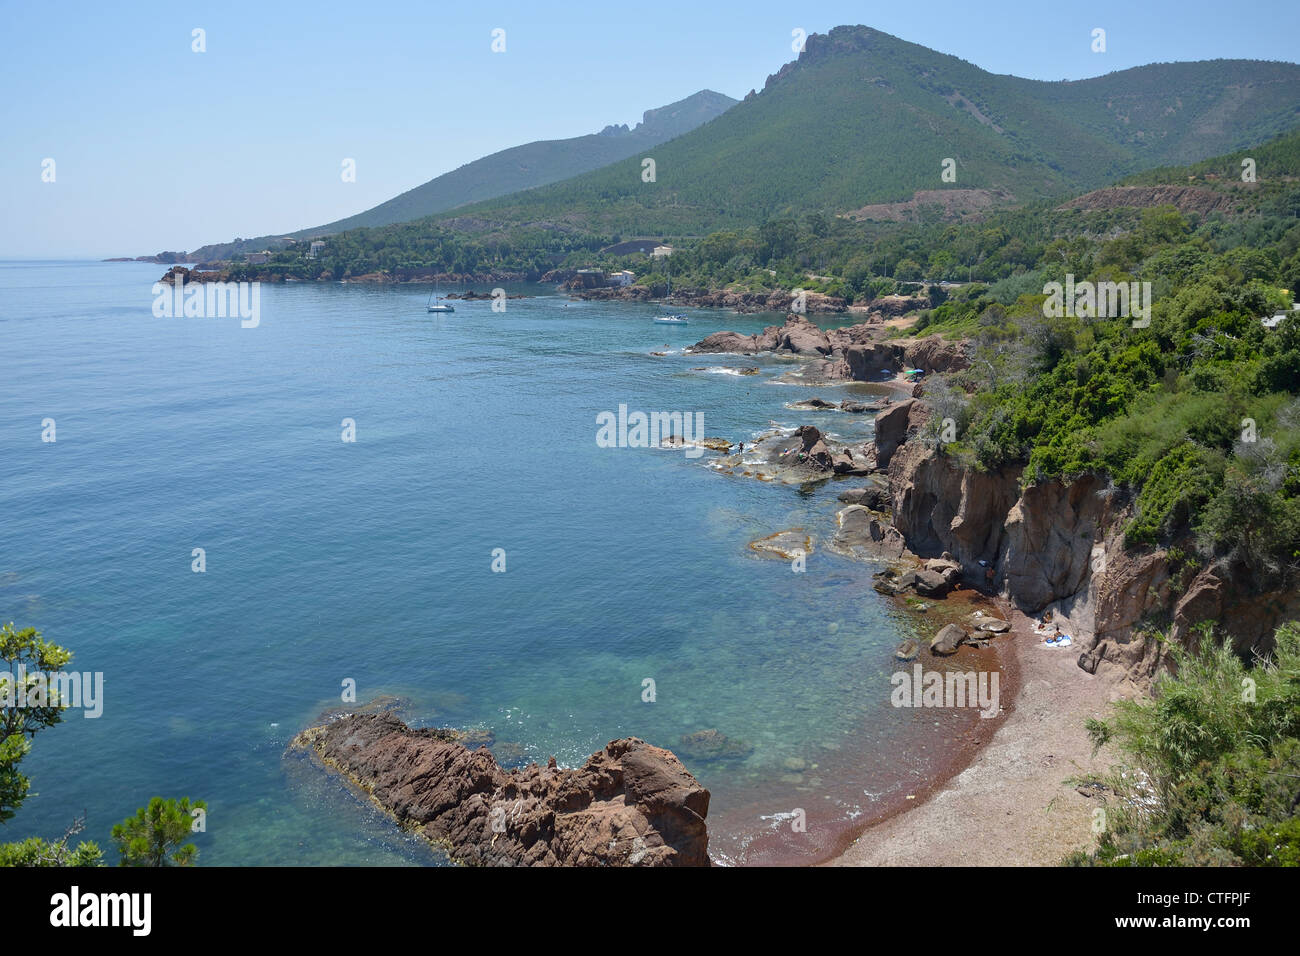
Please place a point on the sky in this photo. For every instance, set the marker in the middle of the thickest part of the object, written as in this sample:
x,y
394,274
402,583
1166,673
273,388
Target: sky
x,y
158,147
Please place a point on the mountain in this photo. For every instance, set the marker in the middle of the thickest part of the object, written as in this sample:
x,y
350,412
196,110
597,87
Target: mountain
x,y
536,164
508,171
862,117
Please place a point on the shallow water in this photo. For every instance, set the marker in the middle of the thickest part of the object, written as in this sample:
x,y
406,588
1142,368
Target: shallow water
x,y
372,560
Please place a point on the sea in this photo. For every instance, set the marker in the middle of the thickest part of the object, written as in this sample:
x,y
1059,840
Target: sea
x,y
239,527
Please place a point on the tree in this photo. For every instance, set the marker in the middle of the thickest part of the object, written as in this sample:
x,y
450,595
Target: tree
x,y
35,851
779,238
816,225
1249,517
153,837
907,270
26,708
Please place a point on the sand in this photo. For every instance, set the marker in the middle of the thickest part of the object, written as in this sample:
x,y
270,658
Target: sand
x,y
1012,806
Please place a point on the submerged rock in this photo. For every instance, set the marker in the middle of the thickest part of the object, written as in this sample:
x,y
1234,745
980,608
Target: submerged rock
x,y
712,744
907,650
630,804
814,404
786,545
713,444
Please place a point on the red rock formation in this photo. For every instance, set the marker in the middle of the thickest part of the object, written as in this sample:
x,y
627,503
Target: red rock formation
x,y
630,804
1188,199
1059,547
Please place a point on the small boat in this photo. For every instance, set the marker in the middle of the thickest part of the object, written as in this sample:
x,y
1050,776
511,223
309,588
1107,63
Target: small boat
x,y
673,318
436,305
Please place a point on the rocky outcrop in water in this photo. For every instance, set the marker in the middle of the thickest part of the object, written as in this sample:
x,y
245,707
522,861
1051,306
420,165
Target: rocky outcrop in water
x,y
797,457
630,804
855,353
785,545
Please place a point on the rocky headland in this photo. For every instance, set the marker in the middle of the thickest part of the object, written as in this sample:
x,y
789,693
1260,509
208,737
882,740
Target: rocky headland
x,y
630,804
854,353
1047,548
1043,551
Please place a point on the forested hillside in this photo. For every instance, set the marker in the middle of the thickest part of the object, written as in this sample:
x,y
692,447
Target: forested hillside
x,y
863,117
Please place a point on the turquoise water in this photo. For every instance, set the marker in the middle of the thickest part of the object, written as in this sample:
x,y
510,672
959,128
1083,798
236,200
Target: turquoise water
x,y
372,560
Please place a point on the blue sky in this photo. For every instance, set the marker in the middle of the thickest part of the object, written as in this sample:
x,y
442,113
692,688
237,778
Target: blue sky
x,y
158,147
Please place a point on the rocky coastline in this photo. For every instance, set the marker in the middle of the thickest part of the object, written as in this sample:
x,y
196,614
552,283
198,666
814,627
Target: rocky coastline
x,y
942,529
1050,550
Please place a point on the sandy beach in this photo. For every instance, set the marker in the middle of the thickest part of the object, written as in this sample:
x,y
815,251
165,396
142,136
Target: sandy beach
x,y
1012,806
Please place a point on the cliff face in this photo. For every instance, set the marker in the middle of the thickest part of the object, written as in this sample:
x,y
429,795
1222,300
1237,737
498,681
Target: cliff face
x,y
1059,547
630,804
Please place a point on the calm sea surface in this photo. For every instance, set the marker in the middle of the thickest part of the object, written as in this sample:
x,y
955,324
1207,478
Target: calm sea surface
x,y
372,561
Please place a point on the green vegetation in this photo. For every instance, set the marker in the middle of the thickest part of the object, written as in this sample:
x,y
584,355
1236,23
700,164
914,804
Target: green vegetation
x,y
406,250
24,653
155,835
35,851
1211,772
1196,415
863,117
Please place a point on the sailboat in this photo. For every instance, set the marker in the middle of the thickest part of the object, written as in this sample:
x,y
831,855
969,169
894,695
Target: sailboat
x,y
671,318
437,305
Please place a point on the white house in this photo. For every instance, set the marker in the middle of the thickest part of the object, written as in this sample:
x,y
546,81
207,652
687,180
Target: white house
x,y
623,278
316,247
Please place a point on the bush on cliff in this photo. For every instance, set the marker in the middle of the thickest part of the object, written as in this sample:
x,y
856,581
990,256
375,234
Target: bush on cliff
x,y
1212,763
